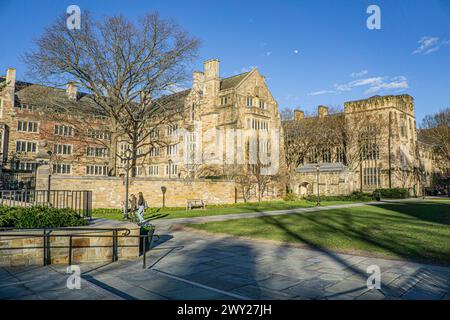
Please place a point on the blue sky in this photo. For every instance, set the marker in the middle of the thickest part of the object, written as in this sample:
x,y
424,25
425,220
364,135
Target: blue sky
x,y
312,52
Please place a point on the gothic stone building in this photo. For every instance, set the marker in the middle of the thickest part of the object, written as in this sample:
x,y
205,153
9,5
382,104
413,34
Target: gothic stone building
x,y
218,118
382,150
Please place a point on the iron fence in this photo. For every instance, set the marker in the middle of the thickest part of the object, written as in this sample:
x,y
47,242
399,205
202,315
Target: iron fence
x,y
77,200
17,180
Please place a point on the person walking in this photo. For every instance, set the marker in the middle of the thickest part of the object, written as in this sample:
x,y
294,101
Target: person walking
x,y
141,207
133,206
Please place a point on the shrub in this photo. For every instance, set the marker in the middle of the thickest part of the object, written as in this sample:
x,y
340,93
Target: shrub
x,y
393,193
290,197
355,196
39,217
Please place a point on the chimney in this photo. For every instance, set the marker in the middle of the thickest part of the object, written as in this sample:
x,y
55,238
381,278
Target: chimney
x,y
198,78
10,83
322,111
72,91
11,77
299,115
212,78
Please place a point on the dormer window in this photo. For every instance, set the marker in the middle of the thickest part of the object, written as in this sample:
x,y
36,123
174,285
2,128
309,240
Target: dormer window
x,y
249,102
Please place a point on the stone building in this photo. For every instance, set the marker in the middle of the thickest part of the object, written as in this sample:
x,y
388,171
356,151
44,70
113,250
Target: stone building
x,y
217,122
377,147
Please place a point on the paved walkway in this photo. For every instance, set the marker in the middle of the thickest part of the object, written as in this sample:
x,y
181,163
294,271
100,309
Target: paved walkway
x,y
196,265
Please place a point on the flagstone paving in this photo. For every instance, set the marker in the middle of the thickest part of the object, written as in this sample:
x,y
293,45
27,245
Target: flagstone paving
x,y
196,265
199,266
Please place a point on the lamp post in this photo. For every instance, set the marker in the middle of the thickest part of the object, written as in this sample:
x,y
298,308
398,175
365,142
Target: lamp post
x,y
170,162
163,190
318,188
424,177
128,153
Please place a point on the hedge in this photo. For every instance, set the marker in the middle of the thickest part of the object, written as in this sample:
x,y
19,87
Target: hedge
x,y
394,193
355,196
39,217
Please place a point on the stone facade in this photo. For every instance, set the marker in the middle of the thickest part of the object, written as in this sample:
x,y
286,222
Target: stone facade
x,y
392,156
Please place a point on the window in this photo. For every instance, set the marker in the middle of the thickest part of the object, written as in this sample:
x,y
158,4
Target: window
x,y
171,169
96,170
370,151
27,126
371,176
326,155
172,149
62,149
22,106
25,166
312,156
154,134
340,154
153,170
193,112
99,134
98,152
224,100
249,101
403,125
262,104
154,152
26,146
172,130
63,130
123,147
62,168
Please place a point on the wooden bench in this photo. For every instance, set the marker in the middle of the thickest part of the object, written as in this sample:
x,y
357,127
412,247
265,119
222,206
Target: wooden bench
x,y
195,203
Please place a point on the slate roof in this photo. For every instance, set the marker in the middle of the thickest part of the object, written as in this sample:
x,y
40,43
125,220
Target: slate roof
x,y
38,95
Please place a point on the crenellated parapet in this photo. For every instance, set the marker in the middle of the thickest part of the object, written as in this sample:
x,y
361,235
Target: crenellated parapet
x,y
403,102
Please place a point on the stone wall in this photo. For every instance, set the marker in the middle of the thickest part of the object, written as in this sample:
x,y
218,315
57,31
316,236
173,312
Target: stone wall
x,y
85,253
109,192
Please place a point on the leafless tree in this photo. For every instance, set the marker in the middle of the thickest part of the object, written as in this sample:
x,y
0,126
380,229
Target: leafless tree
x,y
125,67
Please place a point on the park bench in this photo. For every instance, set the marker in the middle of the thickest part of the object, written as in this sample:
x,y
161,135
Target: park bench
x,y
195,203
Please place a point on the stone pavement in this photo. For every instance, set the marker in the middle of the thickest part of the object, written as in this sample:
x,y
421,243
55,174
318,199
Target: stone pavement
x,y
187,265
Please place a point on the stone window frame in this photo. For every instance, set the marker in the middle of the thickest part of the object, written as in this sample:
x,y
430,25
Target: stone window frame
x,y
63,145
34,145
59,168
97,170
70,130
35,125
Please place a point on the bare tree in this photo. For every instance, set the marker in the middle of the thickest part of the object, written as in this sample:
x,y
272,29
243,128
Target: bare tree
x,y
125,67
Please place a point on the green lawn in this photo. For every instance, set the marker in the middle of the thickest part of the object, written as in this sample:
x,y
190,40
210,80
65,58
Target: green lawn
x,y
413,230
172,213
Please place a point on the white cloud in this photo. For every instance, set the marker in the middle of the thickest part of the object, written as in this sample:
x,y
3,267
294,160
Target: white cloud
x,y
359,74
269,53
371,85
296,51
246,69
429,44
321,92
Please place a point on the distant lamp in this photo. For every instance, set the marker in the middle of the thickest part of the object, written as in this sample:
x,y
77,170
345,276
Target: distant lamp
x,y
318,184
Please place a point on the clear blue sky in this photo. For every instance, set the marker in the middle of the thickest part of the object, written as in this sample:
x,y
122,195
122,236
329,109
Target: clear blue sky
x,y
312,52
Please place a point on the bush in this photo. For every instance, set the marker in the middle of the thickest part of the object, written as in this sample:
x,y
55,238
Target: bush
x,y
290,197
39,217
394,193
355,196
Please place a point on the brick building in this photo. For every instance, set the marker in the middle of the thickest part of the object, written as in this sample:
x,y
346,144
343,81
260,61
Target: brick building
x,y
215,125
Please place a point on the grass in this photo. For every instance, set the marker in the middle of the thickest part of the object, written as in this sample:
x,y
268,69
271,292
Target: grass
x,y
417,231
173,213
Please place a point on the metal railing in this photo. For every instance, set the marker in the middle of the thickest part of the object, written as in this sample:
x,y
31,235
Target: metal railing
x,y
46,234
79,201
17,180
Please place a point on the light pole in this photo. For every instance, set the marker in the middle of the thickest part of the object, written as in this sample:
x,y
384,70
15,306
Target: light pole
x,y
127,169
318,188
424,177
170,162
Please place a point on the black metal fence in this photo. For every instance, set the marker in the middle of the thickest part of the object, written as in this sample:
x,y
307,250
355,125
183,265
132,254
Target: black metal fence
x,y
79,201
17,180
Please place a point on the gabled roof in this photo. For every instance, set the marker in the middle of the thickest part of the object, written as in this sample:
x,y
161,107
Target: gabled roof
x,y
231,82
